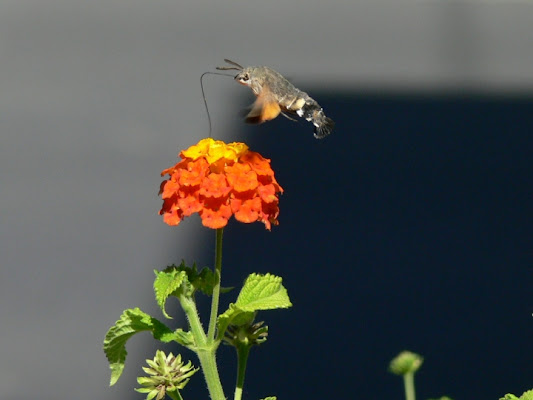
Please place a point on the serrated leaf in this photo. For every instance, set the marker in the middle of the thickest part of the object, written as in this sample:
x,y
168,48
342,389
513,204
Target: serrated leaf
x,y
166,283
131,321
232,316
224,320
243,318
527,395
203,281
263,292
260,292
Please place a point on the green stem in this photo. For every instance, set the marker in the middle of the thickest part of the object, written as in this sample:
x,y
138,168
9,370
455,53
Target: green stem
x,y
409,385
206,346
189,307
216,289
242,355
205,351
175,395
209,369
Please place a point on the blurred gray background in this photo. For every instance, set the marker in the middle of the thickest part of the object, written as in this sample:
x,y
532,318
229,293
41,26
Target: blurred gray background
x,y
97,97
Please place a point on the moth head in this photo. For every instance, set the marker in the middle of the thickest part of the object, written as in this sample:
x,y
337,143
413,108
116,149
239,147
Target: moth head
x,y
244,77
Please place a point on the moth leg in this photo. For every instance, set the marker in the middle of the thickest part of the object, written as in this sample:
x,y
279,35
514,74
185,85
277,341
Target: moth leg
x,y
286,116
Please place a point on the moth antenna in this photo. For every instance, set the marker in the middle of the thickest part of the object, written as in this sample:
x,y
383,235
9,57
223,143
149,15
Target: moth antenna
x,y
205,98
234,63
229,68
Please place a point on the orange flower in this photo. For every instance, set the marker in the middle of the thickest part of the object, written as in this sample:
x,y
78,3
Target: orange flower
x,y
218,180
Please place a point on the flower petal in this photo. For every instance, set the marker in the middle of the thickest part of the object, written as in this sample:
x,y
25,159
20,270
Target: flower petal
x,y
241,177
249,210
216,218
189,205
215,185
218,180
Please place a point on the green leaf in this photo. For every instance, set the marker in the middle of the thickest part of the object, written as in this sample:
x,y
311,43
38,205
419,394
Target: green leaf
x,y
260,292
525,396
270,398
243,318
131,321
228,318
203,281
166,283
263,292
185,338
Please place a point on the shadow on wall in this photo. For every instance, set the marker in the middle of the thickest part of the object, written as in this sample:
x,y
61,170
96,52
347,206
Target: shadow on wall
x,y
407,228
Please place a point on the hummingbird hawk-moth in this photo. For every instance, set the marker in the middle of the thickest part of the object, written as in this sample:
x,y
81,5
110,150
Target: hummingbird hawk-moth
x,y
276,95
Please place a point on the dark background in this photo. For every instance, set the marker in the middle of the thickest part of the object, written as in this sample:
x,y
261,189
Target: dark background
x,y
408,228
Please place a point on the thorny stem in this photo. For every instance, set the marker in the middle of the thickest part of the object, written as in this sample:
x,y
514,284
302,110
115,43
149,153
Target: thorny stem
x,y
205,351
206,346
210,371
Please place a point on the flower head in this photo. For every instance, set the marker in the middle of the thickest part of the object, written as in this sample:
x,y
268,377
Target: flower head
x,y
248,334
218,180
406,363
166,374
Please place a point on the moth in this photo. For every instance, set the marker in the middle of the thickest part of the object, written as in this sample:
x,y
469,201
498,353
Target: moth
x,y
276,95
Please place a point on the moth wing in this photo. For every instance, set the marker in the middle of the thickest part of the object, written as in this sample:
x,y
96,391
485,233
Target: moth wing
x,y
264,108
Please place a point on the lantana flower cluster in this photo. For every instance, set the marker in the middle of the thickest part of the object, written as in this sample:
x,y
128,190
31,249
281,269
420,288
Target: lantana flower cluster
x,y
218,180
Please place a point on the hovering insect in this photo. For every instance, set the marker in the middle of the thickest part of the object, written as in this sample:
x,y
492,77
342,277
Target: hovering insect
x,y
276,95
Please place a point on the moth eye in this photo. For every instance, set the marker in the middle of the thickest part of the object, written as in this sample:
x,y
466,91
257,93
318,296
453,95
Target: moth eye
x,y
245,77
